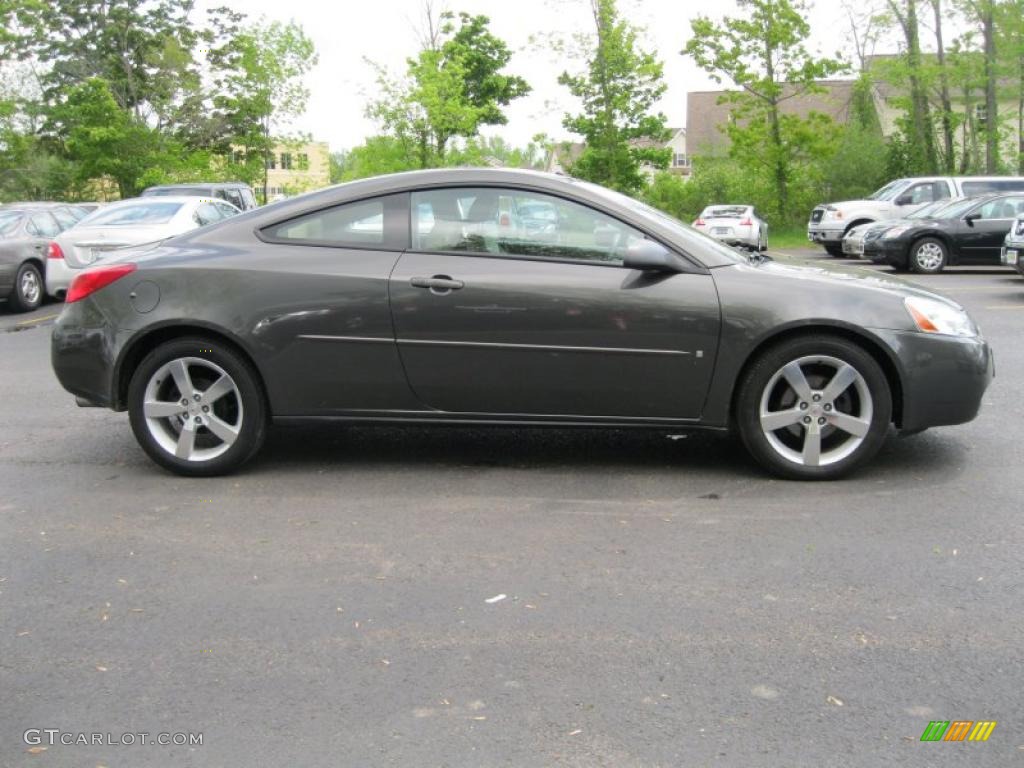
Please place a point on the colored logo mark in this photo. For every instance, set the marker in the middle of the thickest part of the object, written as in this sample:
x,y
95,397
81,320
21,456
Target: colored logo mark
x,y
958,730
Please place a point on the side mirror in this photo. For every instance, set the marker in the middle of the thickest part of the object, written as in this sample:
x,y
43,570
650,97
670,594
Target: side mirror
x,y
650,256
970,218
904,200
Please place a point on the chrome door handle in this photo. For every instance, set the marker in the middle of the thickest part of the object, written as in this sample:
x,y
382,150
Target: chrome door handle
x,y
437,283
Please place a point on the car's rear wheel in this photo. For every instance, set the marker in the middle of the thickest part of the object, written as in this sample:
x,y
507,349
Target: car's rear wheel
x,y
814,408
196,407
928,256
28,288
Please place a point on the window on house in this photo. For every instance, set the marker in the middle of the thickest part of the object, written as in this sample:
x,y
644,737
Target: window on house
x,y
238,157
303,162
286,161
271,161
680,160
981,114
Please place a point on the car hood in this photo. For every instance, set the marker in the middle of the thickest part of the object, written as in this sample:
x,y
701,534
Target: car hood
x,y
806,274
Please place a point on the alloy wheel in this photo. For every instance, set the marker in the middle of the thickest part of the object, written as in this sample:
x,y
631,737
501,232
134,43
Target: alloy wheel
x,y
929,256
816,410
29,287
193,409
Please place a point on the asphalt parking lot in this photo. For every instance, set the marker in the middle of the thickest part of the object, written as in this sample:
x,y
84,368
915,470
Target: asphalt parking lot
x,y
665,602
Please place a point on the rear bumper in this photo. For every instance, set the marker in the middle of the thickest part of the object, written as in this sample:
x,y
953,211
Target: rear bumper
x,y
83,351
58,277
943,377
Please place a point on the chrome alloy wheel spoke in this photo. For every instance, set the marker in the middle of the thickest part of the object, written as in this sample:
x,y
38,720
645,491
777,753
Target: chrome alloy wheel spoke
x,y
803,412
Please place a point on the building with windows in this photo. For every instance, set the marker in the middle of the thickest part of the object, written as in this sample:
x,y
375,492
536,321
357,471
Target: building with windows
x,y
297,167
561,156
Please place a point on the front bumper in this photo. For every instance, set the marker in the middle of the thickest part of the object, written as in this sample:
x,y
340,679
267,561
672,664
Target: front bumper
x,y
853,247
893,252
943,377
1012,255
826,232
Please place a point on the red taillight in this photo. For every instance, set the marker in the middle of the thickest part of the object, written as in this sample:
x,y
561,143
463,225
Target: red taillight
x,y
699,223
92,280
53,251
746,223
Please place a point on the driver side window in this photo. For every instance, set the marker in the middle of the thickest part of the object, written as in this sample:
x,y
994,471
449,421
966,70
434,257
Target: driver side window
x,y
513,222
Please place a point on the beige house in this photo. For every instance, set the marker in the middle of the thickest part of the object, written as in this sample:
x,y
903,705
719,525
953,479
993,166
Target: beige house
x,y
561,156
296,167
706,118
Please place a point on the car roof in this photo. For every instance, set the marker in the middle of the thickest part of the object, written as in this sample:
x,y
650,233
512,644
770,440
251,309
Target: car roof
x,y
557,185
162,199
210,184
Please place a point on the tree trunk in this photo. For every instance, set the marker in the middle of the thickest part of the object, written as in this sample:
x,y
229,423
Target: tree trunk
x,y
991,105
1020,119
944,98
779,166
922,139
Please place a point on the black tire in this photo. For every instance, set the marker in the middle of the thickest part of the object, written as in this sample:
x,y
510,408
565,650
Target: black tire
x,y
23,299
928,256
247,400
759,377
834,250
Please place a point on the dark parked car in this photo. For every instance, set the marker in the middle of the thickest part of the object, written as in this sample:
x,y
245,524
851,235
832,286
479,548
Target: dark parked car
x,y
26,230
235,192
417,298
969,232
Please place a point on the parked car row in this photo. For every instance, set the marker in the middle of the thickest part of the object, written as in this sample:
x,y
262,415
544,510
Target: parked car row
x,y
971,230
831,222
44,245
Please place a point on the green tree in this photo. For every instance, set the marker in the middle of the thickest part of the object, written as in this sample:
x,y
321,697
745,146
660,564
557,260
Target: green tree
x,y
261,89
102,139
451,88
763,52
618,91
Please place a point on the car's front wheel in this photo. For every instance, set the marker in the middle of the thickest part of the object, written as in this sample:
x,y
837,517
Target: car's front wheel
x,y
28,288
196,407
814,408
928,256
834,250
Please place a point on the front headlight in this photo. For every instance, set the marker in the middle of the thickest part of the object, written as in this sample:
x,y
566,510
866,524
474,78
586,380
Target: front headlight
x,y
894,232
931,316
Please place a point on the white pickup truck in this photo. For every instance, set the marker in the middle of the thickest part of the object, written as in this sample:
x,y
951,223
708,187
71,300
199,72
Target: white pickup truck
x,y
830,222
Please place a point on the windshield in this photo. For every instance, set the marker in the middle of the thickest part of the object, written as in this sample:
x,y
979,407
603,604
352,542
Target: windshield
x,y
889,191
132,215
687,234
724,212
932,210
956,208
9,222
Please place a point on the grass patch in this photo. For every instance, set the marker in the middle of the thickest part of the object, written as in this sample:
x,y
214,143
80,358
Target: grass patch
x,y
789,237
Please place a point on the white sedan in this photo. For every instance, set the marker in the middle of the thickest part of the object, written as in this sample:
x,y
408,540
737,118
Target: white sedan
x,y
136,221
734,224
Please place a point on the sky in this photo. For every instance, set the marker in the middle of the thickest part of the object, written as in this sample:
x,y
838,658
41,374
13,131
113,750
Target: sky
x,y
346,33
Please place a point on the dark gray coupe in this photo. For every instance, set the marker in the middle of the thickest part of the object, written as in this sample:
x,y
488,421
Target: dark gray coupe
x,y
505,297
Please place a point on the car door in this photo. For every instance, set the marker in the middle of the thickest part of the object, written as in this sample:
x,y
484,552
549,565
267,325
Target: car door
x,y
919,195
41,229
319,288
516,302
981,239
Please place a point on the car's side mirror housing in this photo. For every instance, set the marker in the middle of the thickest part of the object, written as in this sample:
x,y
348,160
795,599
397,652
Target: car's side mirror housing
x,y
651,256
904,200
970,218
